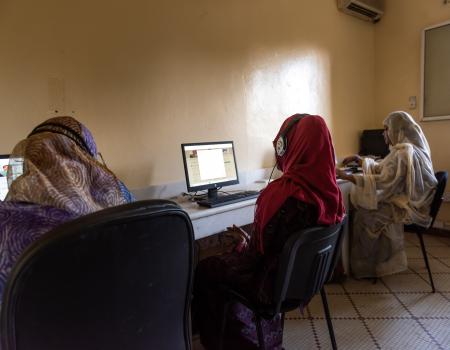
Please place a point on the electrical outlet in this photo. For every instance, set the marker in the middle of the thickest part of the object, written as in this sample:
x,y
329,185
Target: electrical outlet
x,y
412,102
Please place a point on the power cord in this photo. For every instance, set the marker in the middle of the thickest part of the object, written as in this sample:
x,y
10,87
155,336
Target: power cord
x,y
271,173
194,196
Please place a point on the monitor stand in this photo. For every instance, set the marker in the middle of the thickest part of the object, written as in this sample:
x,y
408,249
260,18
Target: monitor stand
x,y
212,193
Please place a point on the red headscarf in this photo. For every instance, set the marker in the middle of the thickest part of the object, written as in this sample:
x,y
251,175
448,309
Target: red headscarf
x,y
308,167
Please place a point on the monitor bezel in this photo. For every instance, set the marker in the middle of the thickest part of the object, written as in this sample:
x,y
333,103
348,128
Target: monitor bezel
x,y
5,156
216,185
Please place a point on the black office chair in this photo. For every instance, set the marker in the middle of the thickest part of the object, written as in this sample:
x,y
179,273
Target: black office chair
x,y
306,264
120,278
442,177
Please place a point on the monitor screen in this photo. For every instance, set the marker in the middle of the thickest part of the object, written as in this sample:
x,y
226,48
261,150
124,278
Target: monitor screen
x,y
4,161
13,165
372,143
209,165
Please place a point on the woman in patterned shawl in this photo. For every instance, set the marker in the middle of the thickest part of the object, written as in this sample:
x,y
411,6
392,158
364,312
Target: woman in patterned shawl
x,y
59,179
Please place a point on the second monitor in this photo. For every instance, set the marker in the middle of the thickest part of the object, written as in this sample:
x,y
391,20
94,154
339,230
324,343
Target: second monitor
x,y
209,166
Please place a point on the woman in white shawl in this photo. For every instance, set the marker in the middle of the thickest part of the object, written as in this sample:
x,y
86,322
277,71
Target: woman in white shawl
x,y
397,190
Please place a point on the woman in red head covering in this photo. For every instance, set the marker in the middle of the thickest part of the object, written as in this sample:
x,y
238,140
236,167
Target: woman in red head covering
x,y
305,195
308,167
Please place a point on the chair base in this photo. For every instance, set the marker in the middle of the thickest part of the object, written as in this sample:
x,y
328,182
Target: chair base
x,y
259,330
425,257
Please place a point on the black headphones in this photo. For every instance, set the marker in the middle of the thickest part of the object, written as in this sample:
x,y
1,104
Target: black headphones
x,y
63,130
281,142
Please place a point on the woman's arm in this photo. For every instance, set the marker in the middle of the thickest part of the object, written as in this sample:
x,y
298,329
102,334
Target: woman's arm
x,y
354,158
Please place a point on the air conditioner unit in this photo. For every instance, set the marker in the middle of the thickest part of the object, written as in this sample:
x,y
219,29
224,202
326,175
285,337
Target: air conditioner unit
x,y
368,10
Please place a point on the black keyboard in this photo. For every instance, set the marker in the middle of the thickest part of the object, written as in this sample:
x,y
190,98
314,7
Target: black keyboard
x,y
228,199
353,170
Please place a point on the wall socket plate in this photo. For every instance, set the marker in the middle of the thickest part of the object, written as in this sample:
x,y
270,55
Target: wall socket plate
x,y
412,102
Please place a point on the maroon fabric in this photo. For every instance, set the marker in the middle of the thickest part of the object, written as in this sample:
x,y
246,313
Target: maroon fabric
x,y
252,275
208,305
308,168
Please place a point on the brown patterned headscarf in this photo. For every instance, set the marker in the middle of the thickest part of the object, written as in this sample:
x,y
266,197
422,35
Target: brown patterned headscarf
x,y
61,170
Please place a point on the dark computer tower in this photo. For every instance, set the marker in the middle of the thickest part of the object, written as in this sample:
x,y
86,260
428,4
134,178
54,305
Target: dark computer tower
x,y
372,143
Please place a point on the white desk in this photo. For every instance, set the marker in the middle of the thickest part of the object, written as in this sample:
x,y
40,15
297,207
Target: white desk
x,y
209,221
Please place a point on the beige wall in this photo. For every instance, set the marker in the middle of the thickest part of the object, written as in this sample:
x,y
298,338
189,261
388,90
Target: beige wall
x,y
398,60
147,75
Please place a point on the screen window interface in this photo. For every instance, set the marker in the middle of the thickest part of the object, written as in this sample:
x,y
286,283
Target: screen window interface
x,y
15,167
209,164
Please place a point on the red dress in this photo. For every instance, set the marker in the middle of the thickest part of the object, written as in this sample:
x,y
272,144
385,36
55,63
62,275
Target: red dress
x,y
253,275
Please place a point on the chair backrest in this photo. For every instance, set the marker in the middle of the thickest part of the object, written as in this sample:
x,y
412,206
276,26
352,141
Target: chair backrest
x,y
306,263
337,249
120,278
441,177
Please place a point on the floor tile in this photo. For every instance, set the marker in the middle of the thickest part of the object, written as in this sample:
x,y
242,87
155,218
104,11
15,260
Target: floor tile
x,y
364,286
381,305
426,305
296,314
412,238
298,334
339,305
401,334
438,252
334,288
406,283
432,241
445,240
445,261
429,241
350,335
413,252
409,243
439,330
441,281
398,312
436,265
406,272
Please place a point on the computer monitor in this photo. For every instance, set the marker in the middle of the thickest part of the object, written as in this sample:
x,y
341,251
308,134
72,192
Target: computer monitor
x,y
209,166
11,165
372,143
4,161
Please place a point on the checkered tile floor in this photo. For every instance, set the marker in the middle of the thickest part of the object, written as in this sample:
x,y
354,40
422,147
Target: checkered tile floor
x,y
398,312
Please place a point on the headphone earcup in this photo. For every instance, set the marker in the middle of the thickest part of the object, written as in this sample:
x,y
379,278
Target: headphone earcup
x,y
281,145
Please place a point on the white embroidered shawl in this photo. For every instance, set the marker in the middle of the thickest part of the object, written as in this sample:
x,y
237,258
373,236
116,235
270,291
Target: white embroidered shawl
x,y
404,178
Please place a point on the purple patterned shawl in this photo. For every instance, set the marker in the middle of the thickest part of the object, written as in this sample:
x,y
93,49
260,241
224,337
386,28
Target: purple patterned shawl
x,y
61,180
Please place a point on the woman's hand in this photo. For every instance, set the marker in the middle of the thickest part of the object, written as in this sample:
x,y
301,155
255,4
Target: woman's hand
x,y
242,239
341,174
240,232
354,158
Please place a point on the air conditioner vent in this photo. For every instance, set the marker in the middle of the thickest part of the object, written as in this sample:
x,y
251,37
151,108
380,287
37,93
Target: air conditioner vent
x,y
363,11
368,10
